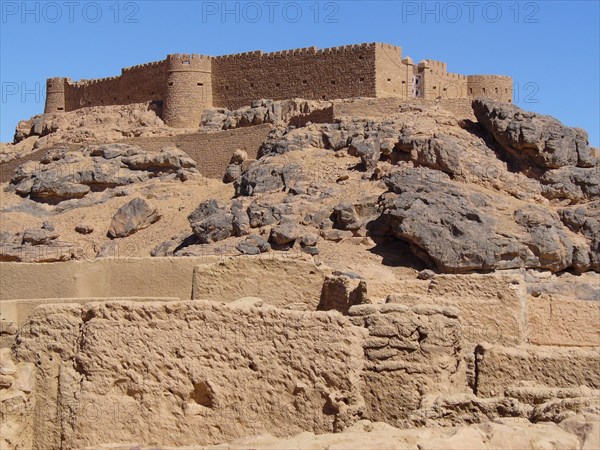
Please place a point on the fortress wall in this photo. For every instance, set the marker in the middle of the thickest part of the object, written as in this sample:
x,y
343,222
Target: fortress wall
x,y
187,373
386,107
188,90
491,306
439,83
136,84
394,76
279,282
409,353
309,73
498,87
499,367
107,277
566,322
211,151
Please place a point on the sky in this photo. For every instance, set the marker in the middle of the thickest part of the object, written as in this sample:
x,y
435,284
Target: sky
x,y
550,48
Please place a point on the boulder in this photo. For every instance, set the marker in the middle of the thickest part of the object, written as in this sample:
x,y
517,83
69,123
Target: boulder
x,y
133,216
211,221
253,245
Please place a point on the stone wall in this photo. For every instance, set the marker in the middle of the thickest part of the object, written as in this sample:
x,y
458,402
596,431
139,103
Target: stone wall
x,y
279,282
211,151
410,352
498,367
137,84
188,84
188,373
338,72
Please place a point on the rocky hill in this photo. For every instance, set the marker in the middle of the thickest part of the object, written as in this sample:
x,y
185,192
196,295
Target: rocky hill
x,y
450,266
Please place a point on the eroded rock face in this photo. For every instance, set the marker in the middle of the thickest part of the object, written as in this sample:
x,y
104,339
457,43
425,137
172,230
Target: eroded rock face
x,y
544,148
458,229
132,217
64,174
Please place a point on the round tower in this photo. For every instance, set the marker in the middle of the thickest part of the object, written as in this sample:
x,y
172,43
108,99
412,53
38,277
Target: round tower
x,y
188,91
497,87
55,95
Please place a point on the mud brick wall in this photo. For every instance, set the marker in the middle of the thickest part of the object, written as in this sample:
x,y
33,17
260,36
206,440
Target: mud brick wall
x,y
137,84
338,72
409,352
188,373
211,151
497,367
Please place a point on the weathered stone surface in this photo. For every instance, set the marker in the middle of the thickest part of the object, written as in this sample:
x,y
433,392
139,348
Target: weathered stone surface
x,y
211,221
213,379
284,234
253,245
264,176
457,229
64,175
534,139
132,217
498,367
38,236
340,292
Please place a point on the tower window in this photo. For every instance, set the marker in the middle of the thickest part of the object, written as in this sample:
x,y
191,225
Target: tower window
x,y
389,79
170,83
496,90
304,82
251,84
332,81
362,78
200,84
277,84
484,90
60,108
470,90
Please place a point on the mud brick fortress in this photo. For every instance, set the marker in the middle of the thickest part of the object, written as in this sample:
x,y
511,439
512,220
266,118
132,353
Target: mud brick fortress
x,y
184,85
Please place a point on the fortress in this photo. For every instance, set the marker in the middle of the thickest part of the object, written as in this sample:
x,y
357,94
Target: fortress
x,y
185,85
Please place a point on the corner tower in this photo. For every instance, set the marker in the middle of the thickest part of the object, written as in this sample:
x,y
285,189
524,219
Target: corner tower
x,y
188,90
55,95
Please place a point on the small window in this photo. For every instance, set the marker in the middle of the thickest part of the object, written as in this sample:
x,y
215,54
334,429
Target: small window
x,y
506,91
361,57
304,82
200,84
484,90
187,63
404,82
332,81
251,84
170,83
389,79
277,84
60,108
323,97
445,89
470,90
362,78
496,90
435,87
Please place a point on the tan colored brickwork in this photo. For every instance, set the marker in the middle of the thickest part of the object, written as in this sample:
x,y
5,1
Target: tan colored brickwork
x,y
211,151
339,72
188,84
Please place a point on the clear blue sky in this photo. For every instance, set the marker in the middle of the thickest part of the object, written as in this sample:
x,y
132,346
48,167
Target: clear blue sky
x,y
550,48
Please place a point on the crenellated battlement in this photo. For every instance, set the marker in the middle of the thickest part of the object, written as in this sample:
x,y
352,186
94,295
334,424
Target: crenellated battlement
x,y
186,84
